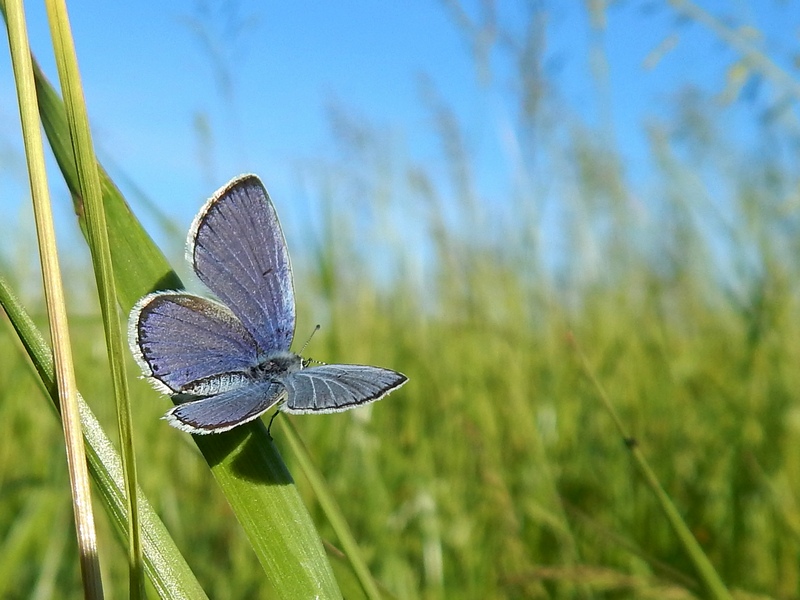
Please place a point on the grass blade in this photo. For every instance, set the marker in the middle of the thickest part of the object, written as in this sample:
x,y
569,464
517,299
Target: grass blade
x,y
163,562
54,295
705,570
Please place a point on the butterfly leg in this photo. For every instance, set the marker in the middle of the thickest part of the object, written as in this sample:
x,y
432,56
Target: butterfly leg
x,y
275,414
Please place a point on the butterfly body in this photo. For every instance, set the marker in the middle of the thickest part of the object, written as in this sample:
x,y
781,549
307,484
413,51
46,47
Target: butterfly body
x,y
228,360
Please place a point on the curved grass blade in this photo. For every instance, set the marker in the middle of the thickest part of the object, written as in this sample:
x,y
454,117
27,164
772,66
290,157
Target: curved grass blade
x,y
245,463
163,562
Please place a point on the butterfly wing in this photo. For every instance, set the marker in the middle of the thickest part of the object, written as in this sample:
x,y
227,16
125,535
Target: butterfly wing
x,y
227,410
335,388
237,249
181,340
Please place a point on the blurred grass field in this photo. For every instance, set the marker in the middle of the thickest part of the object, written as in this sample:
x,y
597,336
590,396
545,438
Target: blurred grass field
x,y
496,473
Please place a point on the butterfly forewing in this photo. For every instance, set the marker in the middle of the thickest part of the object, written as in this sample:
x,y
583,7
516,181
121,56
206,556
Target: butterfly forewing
x,y
227,410
334,388
179,339
238,250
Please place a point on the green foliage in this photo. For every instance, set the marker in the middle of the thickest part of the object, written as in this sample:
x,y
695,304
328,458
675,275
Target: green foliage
x,y
496,473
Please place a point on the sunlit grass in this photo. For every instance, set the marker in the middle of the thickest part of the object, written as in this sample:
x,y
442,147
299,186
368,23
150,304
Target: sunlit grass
x,y
495,473
497,461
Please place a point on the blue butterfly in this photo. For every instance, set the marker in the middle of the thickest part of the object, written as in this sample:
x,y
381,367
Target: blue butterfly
x,y
228,361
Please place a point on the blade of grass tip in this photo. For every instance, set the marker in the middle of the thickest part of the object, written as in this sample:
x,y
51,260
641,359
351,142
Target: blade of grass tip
x,y
54,297
331,509
164,564
705,570
90,192
245,462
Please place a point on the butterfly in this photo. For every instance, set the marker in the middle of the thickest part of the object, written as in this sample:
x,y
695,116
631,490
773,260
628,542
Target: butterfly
x,y
228,361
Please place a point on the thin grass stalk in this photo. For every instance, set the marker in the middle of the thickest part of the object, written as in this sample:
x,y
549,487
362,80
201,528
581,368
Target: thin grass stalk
x,y
705,570
54,298
91,194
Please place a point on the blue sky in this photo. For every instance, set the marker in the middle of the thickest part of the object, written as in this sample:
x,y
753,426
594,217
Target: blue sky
x,y
147,76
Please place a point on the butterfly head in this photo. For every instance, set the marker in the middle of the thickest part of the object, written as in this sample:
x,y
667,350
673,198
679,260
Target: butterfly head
x,y
277,365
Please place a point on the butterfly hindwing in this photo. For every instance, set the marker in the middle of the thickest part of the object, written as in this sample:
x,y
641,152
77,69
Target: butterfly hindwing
x,y
335,388
227,410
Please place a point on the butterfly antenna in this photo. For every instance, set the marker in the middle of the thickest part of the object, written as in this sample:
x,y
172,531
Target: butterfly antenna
x,y
316,329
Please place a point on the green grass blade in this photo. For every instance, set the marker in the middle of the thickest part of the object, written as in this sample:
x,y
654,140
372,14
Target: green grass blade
x,y
90,192
245,462
702,565
54,295
164,564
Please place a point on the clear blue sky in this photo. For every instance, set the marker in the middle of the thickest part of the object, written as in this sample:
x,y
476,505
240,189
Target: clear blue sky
x,y
147,75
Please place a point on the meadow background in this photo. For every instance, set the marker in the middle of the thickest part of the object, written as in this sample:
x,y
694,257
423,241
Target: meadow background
x,y
496,472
